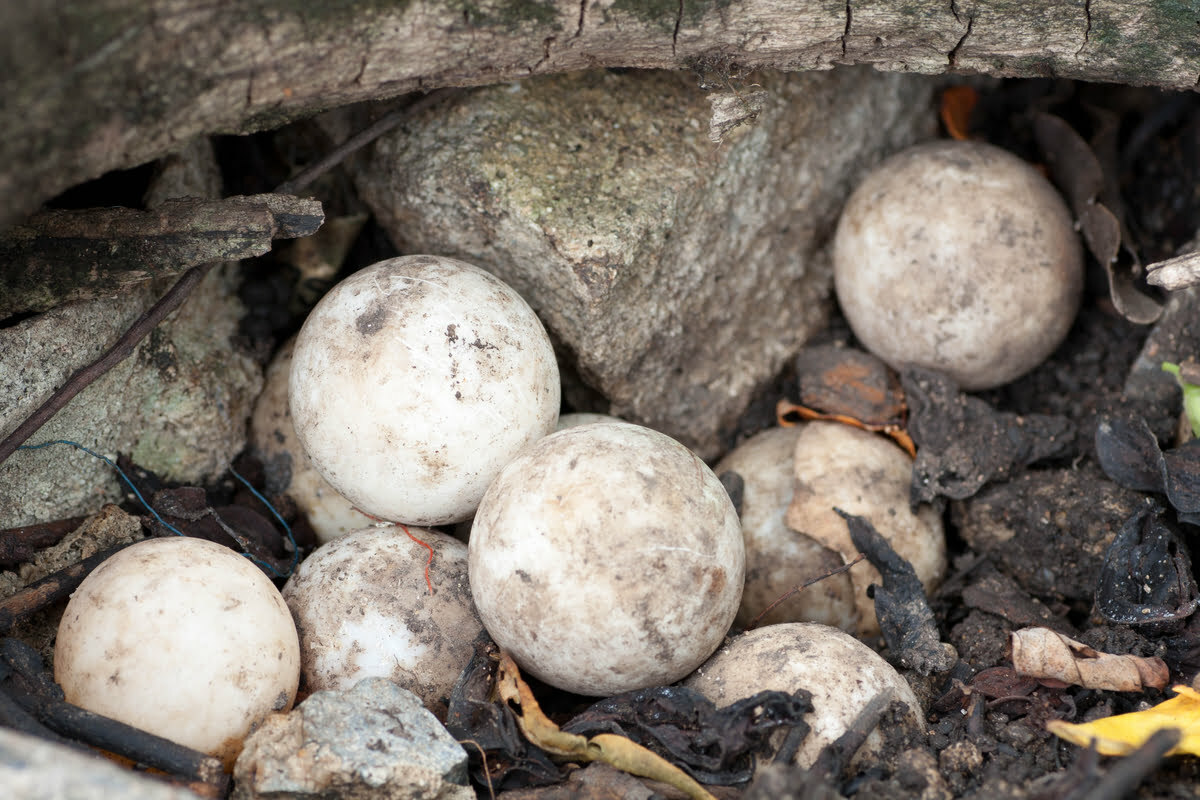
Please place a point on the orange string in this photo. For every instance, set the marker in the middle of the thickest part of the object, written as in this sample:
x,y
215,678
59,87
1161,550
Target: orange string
x,y
429,562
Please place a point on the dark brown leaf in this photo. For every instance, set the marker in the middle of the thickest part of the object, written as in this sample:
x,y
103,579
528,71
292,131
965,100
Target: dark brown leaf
x,y
1147,574
903,611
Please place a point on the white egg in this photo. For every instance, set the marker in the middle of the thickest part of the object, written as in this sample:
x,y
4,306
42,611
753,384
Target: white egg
x,y
183,638
363,609
414,381
959,257
778,558
605,558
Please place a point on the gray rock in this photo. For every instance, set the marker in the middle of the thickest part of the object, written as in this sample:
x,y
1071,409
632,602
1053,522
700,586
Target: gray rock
x,y
373,741
178,405
34,769
678,275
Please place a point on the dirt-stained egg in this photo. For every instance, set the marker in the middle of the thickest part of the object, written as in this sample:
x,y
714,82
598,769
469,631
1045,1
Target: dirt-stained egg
x,y
414,381
959,257
363,609
842,673
606,558
183,638
778,559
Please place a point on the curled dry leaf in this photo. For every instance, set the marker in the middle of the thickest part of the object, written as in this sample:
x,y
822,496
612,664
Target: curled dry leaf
x,y
1042,653
1080,176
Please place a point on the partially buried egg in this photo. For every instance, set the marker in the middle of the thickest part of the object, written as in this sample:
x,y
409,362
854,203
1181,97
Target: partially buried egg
x,y
605,558
414,381
779,559
183,638
843,675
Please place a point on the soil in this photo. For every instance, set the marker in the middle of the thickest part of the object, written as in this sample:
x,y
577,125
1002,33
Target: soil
x,y
1028,547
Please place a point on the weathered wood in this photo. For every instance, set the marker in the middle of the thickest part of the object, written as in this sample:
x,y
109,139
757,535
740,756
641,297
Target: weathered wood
x,y
59,256
87,87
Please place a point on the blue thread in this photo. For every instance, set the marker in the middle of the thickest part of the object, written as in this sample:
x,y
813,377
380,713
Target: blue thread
x,y
262,564
291,537
120,472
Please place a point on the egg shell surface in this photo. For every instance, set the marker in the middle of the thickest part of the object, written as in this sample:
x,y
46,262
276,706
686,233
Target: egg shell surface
x,y
778,558
183,638
363,609
842,673
288,467
605,558
959,257
414,381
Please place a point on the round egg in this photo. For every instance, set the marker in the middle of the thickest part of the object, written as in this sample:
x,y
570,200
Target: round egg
x,y
605,558
959,257
778,558
414,381
288,468
363,609
183,638
842,673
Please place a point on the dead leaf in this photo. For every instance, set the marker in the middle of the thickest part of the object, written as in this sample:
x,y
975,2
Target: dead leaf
x,y
957,104
903,611
609,748
1042,653
963,443
1122,734
1078,173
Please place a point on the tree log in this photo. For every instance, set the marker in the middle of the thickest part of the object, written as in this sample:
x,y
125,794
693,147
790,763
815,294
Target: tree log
x,y
88,87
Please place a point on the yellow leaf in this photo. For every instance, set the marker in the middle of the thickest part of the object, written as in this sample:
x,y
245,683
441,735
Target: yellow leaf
x,y
617,751
1122,734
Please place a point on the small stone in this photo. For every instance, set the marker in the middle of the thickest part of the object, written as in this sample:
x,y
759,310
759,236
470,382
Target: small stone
x,y
34,769
373,741
960,757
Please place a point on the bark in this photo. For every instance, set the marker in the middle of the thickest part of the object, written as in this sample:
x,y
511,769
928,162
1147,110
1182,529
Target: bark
x,y
61,256
87,87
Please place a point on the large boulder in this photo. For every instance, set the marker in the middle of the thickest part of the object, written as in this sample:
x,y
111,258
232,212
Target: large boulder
x,y
677,273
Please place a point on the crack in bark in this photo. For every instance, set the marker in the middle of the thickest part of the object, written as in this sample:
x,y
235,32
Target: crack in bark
x,y
954,11
952,58
582,11
549,40
846,32
1087,32
678,22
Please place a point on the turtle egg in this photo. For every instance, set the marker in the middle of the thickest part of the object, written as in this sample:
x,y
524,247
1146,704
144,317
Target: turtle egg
x,y
959,257
363,609
606,558
843,675
414,381
183,638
